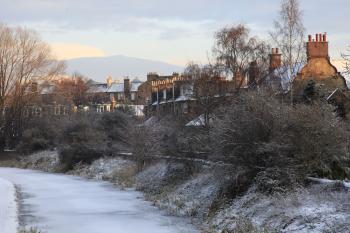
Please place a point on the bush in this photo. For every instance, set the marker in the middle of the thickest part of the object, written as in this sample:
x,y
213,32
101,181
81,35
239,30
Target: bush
x,y
115,125
245,225
260,133
39,134
78,153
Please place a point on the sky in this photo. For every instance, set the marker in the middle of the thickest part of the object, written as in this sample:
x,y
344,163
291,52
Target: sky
x,y
171,31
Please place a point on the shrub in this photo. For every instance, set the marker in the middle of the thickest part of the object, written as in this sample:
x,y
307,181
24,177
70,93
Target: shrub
x,y
245,225
78,153
39,134
115,125
259,132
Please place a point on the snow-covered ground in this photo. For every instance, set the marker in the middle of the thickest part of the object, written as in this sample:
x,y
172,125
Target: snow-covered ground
x,y
60,203
8,207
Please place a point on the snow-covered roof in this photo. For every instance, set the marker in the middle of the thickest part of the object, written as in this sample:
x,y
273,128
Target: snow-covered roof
x,y
136,80
184,98
135,86
200,121
98,88
119,87
150,121
116,87
46,90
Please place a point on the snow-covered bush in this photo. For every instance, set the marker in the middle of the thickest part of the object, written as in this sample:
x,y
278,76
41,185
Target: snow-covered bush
x,y
260,132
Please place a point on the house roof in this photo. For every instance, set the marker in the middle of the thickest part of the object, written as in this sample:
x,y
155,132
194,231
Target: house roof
x,y
119,87
46,90
136,80
98,88
200,121
116,87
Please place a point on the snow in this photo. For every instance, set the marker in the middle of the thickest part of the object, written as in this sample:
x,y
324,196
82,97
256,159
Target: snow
x,y
61,203
314,210
328,181
184,98
150,121
116,87
98,88
200,121
8,207
119,87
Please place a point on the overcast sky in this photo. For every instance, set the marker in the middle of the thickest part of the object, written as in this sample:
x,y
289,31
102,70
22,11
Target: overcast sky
x,y
173,31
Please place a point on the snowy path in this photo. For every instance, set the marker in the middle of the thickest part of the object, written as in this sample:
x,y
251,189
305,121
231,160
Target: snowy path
x,y
59,204
8,207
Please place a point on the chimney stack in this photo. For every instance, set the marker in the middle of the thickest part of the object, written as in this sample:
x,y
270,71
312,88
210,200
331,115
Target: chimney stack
x,y
325,37
127,88
253,73
318,48
275,59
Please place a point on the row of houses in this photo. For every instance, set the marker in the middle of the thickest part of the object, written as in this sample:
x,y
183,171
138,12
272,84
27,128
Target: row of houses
x,y
180,94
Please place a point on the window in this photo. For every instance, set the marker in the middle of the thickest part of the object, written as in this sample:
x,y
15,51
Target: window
x,y
185,108
133,95
26,112
57,110
38,111
120,95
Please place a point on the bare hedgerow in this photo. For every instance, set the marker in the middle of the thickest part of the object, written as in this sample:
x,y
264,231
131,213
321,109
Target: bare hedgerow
x,y
145,141
260,132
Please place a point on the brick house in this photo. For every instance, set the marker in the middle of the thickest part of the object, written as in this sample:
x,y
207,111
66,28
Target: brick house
x,y
317,70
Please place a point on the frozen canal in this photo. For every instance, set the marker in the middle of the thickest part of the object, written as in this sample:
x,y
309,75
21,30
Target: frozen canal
x,y
62,204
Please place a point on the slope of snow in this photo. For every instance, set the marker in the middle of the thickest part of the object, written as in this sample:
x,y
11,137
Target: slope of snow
x,y
8,207
61,203
314,210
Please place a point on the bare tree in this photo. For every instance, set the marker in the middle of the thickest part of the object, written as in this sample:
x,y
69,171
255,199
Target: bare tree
x,y
73,89
145,141
234,50
346,57
203,87
24,60
288,35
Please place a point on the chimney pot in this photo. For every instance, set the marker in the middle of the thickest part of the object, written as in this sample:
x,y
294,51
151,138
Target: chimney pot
x,y
310,38
325,37
316,37
277,51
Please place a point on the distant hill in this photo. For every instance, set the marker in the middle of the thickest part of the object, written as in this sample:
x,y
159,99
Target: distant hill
x,y
98,68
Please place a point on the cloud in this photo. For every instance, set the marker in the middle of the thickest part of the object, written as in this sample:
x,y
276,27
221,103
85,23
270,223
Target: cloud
x,y
65,51
131,27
